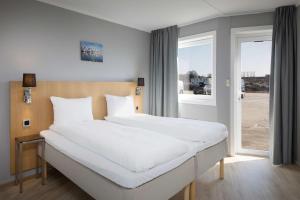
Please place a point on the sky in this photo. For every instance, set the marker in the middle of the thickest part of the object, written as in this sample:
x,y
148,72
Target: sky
x,y
255,57
197,58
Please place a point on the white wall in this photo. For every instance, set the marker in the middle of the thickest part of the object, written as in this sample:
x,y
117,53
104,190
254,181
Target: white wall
x,y
192,111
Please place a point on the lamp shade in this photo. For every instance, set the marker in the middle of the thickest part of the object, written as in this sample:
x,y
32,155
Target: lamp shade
x,y
140,82
29,80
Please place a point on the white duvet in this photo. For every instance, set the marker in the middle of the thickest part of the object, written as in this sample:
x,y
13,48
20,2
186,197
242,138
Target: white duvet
x,y
183,129
134,149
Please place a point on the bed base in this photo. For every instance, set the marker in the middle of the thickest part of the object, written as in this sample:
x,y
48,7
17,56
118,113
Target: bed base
x,y
205,160
172,182
99,187
208,158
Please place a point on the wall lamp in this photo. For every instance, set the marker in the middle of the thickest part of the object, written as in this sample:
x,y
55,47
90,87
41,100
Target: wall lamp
x,y
29,81
140,85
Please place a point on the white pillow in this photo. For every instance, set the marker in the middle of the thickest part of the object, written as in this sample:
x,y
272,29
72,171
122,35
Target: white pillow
x,y
119,106
68,111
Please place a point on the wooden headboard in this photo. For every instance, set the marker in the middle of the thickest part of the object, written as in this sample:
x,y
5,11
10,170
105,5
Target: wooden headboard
x,y
40,111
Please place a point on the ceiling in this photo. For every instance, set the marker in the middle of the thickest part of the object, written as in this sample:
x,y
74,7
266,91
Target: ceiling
x,y
149,15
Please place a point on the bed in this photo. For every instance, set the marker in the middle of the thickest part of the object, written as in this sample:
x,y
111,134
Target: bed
x,y
123,160
208,138
94,174
100,187
172,178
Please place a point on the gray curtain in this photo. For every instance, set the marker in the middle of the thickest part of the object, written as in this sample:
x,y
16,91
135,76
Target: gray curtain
x,y
283,85
163,72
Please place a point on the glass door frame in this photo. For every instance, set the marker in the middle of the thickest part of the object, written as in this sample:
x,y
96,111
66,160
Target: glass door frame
x,y
238,36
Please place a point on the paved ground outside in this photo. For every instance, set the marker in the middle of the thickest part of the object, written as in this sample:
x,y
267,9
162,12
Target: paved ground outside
x,y
255,121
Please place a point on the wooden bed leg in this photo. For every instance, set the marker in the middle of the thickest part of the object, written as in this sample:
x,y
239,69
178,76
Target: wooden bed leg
x,y
193,190
45,174
222,169
187,192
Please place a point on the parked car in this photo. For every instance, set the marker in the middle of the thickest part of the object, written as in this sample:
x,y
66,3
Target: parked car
x,y
197,87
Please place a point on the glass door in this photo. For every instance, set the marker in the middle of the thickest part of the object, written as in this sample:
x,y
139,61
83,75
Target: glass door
x,y
253,101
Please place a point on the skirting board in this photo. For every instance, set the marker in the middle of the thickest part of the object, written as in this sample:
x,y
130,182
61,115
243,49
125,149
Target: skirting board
x,y
11,179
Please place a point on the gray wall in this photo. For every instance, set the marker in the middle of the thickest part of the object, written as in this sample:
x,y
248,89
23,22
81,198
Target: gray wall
x,y
220,112
44,39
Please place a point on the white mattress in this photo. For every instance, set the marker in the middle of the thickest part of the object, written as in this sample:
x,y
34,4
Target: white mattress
x,y
108,169
135,149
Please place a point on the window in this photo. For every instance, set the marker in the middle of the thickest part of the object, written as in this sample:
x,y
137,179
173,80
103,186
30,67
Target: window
x,y
196,69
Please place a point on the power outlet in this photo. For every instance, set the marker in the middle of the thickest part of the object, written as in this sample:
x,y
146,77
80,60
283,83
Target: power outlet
x,y
26,123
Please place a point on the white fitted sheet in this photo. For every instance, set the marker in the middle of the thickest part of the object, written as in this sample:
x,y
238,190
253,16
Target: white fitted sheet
x,y
108,169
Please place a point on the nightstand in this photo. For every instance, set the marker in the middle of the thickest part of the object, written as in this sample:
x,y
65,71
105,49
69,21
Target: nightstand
x,y
19,142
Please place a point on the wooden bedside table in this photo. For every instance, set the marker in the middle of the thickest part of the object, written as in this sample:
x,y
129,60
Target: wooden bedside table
x,y
19,142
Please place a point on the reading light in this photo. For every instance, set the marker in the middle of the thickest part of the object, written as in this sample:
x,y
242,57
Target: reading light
x,y
140,84
29,81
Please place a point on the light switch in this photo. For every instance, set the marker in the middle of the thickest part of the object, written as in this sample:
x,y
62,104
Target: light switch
x,y
227,83
26,123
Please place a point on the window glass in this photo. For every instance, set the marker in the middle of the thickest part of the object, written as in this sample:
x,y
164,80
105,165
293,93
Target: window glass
x,y
196,68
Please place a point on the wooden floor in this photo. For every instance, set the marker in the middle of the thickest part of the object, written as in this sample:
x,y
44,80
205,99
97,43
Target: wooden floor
x,y
246,178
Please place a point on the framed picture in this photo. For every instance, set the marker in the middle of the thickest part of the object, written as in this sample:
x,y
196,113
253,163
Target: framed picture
x,y
90,51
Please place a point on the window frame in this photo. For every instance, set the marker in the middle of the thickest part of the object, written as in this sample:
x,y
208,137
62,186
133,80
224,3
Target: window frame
x,y
199,39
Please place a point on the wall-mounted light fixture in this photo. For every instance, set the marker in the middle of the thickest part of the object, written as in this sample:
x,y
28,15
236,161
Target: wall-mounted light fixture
x,y
29,81
140,85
